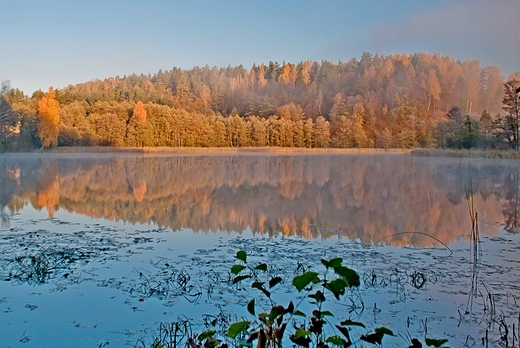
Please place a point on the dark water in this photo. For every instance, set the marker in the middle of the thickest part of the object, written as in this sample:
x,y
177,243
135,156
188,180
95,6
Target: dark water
x,y
103,221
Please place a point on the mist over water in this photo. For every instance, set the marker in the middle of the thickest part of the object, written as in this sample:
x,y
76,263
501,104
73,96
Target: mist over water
x,y
368,197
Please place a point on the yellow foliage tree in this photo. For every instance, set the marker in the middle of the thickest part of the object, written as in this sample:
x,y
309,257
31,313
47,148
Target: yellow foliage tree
x,y
139,113
49,118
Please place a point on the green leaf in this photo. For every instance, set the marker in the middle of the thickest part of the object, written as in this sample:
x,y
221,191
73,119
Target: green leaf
x,y
377,337
235,269
300,282
337,287
290,308
344,331
274,281
301,333
301,341
435,343
318,296
275,312
236,329
336,340
349,322
260,286
262,267
241,255
372,338
336,262
299,313
240,278
251,307
332,263
257,285
349,275
206,334
384,331
326,314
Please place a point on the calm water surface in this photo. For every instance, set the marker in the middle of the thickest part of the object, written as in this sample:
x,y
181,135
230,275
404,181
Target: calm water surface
x,y
100,249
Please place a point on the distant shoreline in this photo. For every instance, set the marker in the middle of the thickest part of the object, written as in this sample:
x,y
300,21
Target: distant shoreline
x,y
429,152
464,153
110,149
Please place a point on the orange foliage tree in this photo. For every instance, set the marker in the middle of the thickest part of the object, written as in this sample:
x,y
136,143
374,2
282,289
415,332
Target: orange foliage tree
x,y
48,118
139,113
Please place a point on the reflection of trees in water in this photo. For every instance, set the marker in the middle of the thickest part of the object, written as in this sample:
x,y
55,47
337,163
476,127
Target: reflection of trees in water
x,y
511,207
497,179
366,197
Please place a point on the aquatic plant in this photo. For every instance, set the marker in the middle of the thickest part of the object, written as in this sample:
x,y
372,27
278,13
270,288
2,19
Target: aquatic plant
x,y
306,320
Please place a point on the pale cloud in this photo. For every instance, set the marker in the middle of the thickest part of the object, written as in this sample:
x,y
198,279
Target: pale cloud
x,y
488,30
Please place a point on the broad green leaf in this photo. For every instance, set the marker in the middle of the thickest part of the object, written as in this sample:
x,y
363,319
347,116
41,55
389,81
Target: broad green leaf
x,y
240,278
251,307
318,296
337,287
349,275
274,281
336,262
332,263
301,341
299,313
301,333
344,331
257,285
241,255
212,344
326,314
300,282
261,267
349,322
236,329
435,343
275,312
206,334
384,331
377,337
336,340
235,269
373,338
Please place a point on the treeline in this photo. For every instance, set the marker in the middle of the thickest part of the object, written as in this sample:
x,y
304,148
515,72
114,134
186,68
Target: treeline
x,y
401,100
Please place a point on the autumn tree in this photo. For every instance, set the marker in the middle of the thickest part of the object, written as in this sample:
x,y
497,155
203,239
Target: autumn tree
x,y
8,117
48,119
511,104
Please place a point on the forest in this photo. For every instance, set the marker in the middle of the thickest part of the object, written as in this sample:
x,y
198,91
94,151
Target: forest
x,y
394,101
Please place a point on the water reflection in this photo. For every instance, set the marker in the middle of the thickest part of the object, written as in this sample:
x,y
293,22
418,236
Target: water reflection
x,y
370,197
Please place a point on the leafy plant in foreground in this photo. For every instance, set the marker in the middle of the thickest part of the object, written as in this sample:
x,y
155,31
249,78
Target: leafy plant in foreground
x,y
269,328
274,325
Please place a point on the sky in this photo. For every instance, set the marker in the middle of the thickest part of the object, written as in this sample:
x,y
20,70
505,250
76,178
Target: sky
x,y
57,43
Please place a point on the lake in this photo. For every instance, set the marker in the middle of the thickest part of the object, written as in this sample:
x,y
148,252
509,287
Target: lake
x,y
107,248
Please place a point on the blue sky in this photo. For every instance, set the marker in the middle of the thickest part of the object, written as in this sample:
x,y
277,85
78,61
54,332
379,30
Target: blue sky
x,y
44,43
